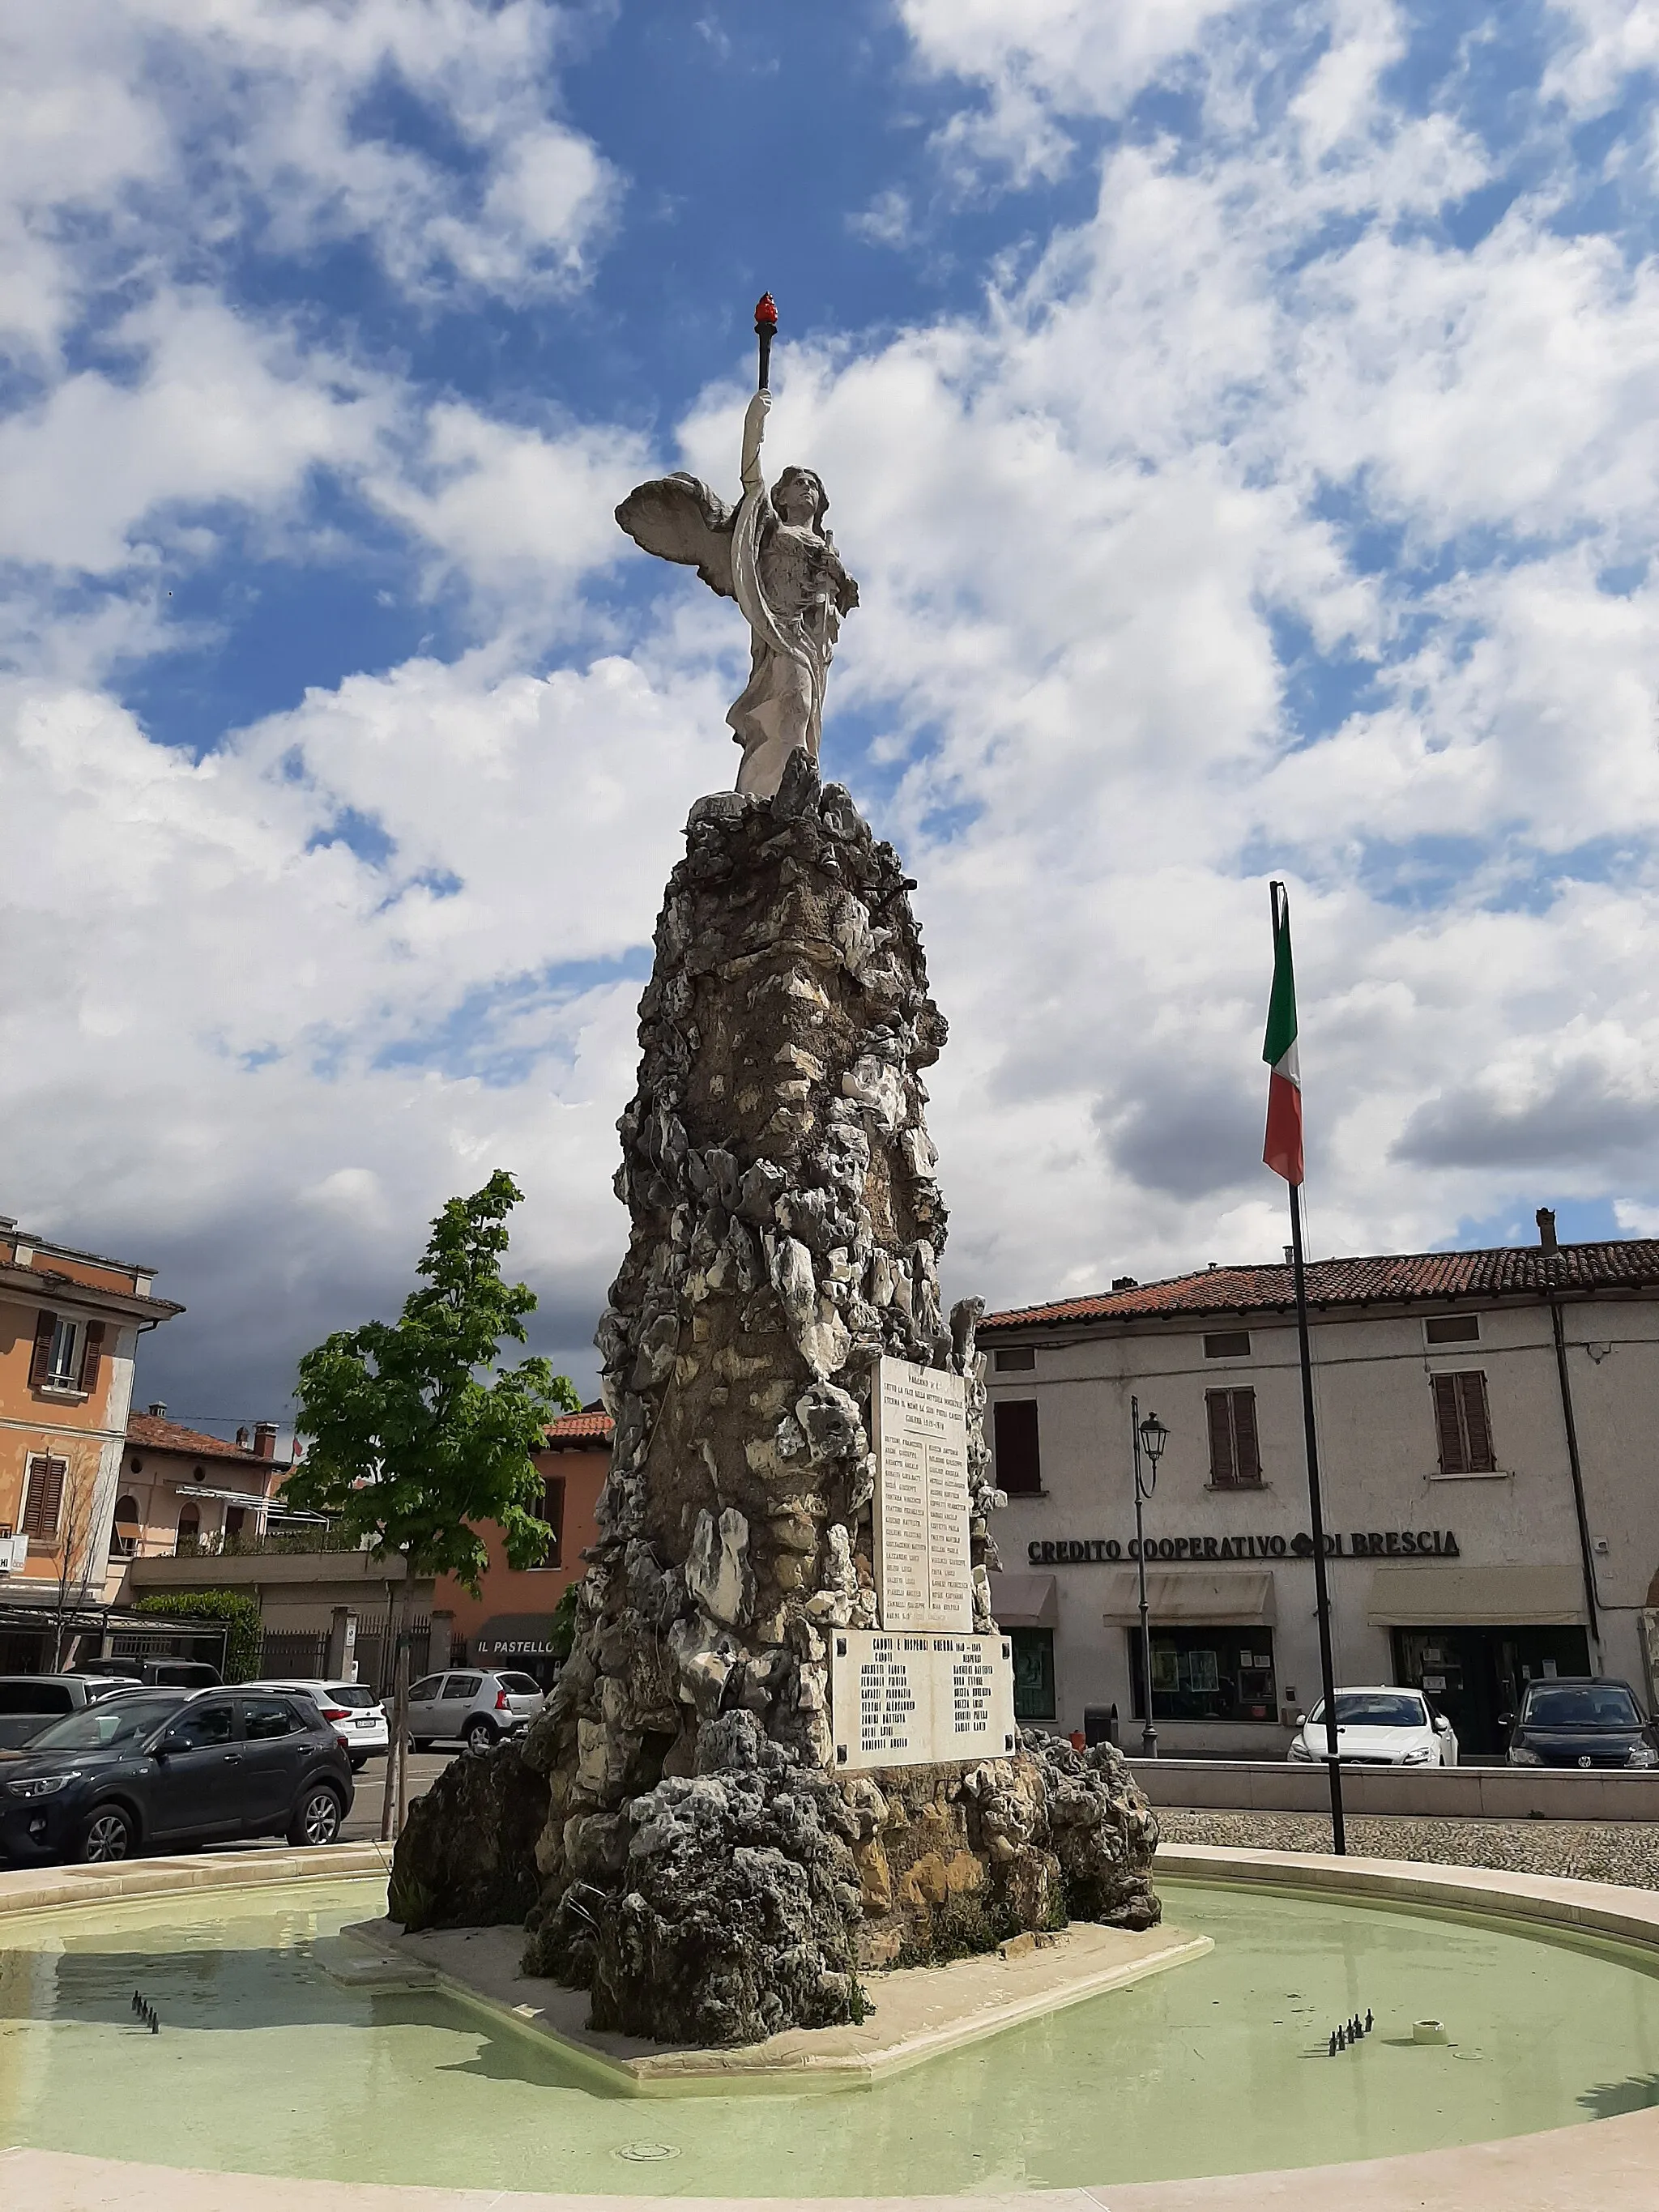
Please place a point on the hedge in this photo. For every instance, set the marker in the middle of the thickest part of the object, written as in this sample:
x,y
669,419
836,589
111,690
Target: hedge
x,y
234,1609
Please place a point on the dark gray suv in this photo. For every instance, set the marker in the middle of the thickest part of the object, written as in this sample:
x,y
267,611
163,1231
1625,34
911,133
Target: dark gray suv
x,y
149,1769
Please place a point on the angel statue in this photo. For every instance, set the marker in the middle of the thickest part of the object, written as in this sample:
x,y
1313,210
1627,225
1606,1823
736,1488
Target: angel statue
x,y
774,557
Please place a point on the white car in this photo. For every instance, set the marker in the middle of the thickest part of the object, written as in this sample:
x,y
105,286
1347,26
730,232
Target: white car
x,y
1382,1726
351,1709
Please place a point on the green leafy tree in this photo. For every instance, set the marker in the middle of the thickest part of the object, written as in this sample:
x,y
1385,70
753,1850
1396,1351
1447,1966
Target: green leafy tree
x,y
417,1433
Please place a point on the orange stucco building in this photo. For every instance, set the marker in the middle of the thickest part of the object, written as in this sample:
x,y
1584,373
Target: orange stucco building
x,y
508,1624
69,1325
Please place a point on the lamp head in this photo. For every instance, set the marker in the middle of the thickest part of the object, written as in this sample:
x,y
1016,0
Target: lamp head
x,y
1153,1437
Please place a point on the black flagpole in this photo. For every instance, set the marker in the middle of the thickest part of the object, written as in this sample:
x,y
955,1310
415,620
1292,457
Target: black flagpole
x,y
1316,1518
1281,911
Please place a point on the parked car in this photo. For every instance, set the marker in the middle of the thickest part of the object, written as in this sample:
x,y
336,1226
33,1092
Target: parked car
x,y
468,1706
157,1674
1380,1726
154,1768
356,1715
29,1703
1567,1722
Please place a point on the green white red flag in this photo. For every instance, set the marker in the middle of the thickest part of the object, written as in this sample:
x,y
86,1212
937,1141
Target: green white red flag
x,y
1283,1149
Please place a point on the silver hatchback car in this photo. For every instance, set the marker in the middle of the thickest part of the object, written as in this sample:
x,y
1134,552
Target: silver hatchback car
x,y
468,1706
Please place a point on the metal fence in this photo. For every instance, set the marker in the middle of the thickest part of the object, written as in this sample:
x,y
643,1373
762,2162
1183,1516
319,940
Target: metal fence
x,y
303,1653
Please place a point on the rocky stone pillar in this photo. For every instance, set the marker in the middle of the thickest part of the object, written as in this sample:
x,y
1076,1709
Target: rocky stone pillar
x,y
703,1870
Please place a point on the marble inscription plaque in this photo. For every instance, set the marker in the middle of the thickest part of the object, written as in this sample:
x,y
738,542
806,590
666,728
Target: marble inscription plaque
x,y
920,1698
923,1574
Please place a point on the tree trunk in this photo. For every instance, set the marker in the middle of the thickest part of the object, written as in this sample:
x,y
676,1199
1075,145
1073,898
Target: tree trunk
x,y
396,1757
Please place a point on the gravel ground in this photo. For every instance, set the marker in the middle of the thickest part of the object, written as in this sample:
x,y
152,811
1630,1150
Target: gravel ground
x,y
1593,1851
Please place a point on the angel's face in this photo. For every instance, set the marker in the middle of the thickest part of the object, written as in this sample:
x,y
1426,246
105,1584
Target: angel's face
x,y
796,497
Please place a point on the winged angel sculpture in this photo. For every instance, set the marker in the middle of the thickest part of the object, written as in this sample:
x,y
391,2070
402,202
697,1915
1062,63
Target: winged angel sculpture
x,y
773,557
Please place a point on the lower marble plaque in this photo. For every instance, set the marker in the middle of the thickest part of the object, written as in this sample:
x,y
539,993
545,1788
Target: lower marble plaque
x,y
920,1698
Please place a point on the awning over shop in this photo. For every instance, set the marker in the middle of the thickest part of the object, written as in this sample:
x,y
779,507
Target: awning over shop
x,y
514,1636
1476,1597
1203,1601
1025,1602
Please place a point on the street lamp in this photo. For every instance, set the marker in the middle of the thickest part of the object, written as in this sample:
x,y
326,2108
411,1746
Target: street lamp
x,y
1150,1437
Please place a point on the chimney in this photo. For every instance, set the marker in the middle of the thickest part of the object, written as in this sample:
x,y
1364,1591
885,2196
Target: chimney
x,y
243,1443
1546,1218
265,1439
157,1411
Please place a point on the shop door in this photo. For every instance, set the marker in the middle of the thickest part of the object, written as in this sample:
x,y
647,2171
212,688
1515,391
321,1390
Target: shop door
x,y
1534,1655
1453,1669
1475,1675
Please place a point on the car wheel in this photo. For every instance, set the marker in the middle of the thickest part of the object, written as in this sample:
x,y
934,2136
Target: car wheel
x,y
480,1735
317,1818
418,1743
359,1760
109,1834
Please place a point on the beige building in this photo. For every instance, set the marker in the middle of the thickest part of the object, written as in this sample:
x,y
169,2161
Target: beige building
x,y
1488,1427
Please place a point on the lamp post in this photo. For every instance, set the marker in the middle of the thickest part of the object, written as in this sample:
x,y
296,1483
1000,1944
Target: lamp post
x,y
1150,1437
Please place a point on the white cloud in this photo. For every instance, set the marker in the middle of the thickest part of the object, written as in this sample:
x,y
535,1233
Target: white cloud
x,y
138,137
1105,526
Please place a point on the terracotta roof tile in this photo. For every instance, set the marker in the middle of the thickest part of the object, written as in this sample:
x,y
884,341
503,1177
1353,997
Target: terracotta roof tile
x,y
576,1429
1390,1278
152,1433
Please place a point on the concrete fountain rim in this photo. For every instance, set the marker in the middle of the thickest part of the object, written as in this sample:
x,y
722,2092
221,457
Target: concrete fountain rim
x,y
1596,2166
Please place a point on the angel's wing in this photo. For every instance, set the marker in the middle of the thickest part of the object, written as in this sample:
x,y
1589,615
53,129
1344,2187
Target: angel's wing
x,y
679,518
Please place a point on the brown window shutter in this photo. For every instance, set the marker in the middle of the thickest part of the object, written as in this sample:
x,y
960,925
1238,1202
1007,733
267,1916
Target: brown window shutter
x,y
44,1324
44,1505
1224,1464
92,1352
1019,1457
1448,1428
553,1516
1477,1422
1248,1456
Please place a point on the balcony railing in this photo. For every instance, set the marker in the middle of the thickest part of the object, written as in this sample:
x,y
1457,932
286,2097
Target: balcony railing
x,y
284,1543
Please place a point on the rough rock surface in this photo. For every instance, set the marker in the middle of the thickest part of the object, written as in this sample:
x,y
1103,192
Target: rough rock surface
x,y
1101,1829
700,1869
467,1857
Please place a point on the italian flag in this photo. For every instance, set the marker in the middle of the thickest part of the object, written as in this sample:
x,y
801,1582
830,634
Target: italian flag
x,y
1283,1149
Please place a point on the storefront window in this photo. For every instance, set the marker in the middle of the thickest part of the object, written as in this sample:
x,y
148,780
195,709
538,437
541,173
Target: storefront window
x,y
1205,1675
1034,1673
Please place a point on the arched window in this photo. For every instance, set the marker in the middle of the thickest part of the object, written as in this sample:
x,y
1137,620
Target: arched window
x,y
124,1542
190,1531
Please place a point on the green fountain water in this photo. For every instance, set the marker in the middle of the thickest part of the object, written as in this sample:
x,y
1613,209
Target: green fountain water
x,y
266,2065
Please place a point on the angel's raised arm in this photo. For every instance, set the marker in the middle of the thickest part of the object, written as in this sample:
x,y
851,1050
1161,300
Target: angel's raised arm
x,y
677,518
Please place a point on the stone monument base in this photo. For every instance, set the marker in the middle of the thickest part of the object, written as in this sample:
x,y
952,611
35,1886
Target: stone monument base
x,y
750,1899
913,2014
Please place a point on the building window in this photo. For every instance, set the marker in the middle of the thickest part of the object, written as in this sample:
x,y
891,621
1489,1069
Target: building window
x,y
551,1513
1207,1674
124,1541
1016,1360
190,1532
1014,1437
1235,1456
1453,1328
1034,1673
1227,1344
43,1501
1463,1423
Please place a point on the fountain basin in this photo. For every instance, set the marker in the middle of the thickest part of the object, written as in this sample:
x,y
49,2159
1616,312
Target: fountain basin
x,y
267,2065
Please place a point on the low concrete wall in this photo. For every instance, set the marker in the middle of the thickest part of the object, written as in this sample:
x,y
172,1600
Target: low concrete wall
x,y
1451,1793
33,1889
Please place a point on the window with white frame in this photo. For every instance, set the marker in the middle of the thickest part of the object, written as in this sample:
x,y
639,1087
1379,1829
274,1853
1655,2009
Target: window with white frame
x,y
63,1360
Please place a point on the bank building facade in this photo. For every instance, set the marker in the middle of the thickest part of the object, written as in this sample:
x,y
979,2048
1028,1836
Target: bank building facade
x,y
1488,1427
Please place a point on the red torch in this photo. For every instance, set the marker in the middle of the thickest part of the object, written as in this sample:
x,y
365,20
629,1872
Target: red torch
x,y
766,329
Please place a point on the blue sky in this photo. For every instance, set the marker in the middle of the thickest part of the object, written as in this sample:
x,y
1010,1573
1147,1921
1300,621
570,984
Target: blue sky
x,y
1240,418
